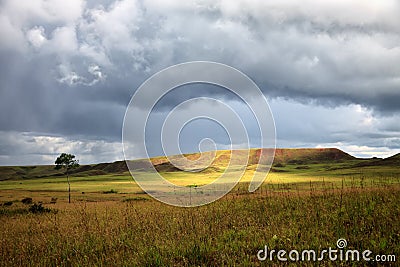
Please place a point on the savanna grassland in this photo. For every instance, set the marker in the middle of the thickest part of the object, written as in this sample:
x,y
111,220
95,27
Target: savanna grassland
x,y
309,200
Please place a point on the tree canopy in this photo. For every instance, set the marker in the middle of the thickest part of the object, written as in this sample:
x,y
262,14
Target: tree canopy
x,y
66,161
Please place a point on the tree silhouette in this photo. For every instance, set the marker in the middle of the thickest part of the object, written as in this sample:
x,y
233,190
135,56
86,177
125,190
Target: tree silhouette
x,y
67,162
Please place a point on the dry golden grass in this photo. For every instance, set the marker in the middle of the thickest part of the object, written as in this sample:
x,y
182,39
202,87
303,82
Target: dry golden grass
x,y
228,232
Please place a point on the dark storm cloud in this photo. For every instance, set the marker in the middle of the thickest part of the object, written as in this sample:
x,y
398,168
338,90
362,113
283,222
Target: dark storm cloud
x,y
33,101
70,68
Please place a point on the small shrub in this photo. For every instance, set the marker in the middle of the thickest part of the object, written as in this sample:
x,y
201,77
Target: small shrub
x,y
112,191
27,200
303,167
279,165
53,200
38,208
277,170
135,199
12,212
296,161
8,203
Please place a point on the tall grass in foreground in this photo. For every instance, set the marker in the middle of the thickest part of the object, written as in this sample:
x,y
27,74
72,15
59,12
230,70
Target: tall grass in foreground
x,y
226,232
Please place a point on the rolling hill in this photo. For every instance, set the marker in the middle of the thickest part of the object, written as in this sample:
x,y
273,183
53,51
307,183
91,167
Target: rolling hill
x,y
283,156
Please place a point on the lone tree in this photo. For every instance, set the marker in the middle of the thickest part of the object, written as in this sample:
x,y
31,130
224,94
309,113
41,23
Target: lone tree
x,y
67,162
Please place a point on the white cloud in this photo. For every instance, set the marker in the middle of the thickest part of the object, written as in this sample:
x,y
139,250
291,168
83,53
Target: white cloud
x,y
113,28
95,53
29,13
71,78
32,148
36,36
64,40
326,12
11,37
287,42
96,72
362,151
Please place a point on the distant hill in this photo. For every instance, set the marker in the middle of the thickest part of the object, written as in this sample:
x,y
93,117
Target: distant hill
x,y
393,160
310,155
297,156
290,155
390,161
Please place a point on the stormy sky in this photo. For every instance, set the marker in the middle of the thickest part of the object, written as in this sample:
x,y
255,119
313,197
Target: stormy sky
x,y
329,69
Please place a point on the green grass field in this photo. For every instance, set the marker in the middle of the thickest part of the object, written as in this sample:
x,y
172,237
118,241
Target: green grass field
x,y
111,222
291,177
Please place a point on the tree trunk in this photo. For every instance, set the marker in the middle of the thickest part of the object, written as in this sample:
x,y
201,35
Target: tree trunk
x,y
69,189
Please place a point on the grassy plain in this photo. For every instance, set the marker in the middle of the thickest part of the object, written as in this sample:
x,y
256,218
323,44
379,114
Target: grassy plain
x,y
111,222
